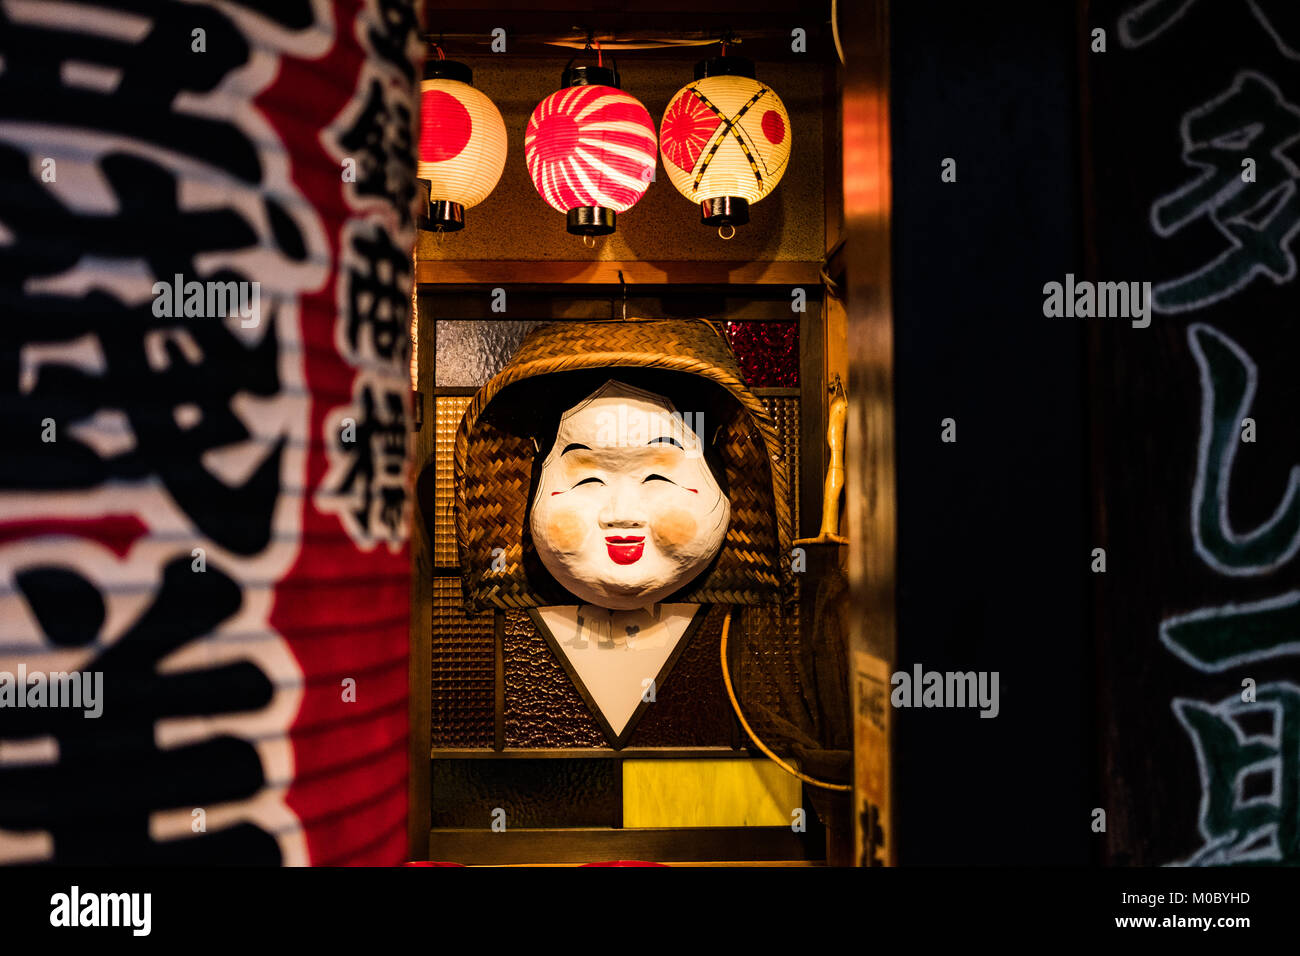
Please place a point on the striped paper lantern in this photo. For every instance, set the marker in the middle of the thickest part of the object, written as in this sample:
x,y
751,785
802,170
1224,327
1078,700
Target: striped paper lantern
x,y
725,140
590,150
462,143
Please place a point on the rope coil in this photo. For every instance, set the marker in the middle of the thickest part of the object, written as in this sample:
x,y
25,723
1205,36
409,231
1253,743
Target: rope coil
x,y
767,752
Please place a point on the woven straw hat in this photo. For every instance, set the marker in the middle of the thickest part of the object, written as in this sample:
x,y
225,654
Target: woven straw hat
x,y
508,427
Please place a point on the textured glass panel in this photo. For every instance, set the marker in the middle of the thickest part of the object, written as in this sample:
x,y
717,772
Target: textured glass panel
x,y
464,659
543,708
691,708
785,415
768,638
768,352
448,409
471,352
765,652
533,793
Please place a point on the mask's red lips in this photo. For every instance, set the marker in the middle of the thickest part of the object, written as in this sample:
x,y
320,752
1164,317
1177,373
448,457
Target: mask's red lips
x,y
625,550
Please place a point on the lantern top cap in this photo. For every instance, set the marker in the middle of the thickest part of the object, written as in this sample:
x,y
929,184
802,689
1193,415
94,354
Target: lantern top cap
x,y
586,75
725,66
448,70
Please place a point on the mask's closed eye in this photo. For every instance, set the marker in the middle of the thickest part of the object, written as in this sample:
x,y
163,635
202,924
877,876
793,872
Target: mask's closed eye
x,y
693,491
587,481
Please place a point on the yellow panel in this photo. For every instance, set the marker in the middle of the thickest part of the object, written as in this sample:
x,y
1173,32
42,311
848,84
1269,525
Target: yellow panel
x,y
708,793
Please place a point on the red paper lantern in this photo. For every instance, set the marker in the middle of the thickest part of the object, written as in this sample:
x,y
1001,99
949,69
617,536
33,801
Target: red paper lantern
x,y
590,149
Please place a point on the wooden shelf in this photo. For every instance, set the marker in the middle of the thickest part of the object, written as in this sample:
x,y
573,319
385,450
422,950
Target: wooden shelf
x,y
583,844
590,753
635,272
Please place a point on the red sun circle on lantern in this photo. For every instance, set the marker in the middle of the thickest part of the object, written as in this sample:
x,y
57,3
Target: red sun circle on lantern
x,y
687,127
773,127
446,128
590,146
557,137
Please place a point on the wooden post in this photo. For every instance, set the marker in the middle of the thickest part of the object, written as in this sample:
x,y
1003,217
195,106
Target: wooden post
x,y
872,507
420,662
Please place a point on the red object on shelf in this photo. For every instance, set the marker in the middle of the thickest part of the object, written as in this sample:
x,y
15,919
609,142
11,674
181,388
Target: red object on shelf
x,y
430,863
625,863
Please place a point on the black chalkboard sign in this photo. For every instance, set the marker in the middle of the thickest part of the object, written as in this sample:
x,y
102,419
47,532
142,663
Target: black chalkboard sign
x,y
1192,184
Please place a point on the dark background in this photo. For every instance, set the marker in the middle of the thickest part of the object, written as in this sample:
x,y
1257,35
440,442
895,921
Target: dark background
x,y
993,529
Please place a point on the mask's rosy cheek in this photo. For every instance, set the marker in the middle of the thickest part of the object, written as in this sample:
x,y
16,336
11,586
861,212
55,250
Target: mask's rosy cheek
x,y
565,530
674,527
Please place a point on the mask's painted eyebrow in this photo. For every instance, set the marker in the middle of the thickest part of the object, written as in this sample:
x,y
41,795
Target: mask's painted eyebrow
x,y
573,447
665,439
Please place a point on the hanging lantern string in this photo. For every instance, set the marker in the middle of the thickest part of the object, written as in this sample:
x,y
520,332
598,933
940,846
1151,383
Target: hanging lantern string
x,y
441,55
600,60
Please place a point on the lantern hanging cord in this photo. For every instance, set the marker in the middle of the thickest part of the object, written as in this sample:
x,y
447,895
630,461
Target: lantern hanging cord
x,y
594,44
735,705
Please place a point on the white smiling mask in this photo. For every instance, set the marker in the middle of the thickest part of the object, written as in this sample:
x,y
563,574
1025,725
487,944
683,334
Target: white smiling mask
x,y
626,510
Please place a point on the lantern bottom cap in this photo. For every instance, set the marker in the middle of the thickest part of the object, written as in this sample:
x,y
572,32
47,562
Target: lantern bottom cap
x,y
592,220
724,211
444,216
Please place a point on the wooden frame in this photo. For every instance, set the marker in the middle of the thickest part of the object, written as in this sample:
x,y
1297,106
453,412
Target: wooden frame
x,y
420,660
495,272
592,280
558,845
580,844
870,488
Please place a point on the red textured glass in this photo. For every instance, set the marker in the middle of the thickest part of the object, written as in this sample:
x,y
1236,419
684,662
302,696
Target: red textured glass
x,y
768,352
